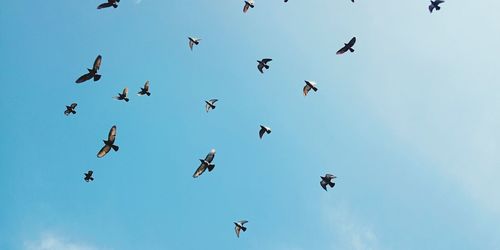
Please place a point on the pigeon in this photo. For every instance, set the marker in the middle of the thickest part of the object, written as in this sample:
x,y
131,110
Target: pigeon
x,y
238,226
264,129
193,41
108,144
110,3
70,109
327,180
263,64
145,90
92,72
210,104
347,46
123,95
309,85
248,4
88,176
435,5
206,163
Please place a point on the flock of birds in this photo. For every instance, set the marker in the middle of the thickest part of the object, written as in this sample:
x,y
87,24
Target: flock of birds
x,y
206,163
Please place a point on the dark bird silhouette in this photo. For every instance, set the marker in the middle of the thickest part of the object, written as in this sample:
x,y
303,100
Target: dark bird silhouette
x,y
264,129
92,72
248,4
193,41
123,95
327,180
88,176
110,3
70,109
435,5
286,1
210,104
347,47
238,226
206,163
263,64
108,144
145,90
309,85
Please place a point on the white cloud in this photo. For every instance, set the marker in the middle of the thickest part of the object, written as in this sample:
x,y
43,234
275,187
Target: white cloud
x,y
54,242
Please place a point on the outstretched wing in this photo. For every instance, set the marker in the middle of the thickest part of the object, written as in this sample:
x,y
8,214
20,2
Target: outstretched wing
x,y
97,63
112,134
323,184
73,105
146,86
242,222
260,67
200,170
306,89
351,42
213,101
266,60
125,91
245,8
342,50
104,5
104,150
261,132
210,156
237,230
84,78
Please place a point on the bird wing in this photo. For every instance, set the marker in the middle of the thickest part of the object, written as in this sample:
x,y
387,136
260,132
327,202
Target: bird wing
x,y
213,101
210,156
112,134
73,105
104,5
91,172
242,222
342,50
323,184
431,8
261,132
352,42
439,2
306,89
67,112
329,175
200,170
191,44
245,8
104,150
125,91
207,107
266,60
260,67
237,230
97,63
146,86
84,78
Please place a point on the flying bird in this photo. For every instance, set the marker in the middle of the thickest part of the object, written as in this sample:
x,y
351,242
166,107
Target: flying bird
x,y
108,144
145,90
248,4
205,163
238,226
263,64
88,176
110,3
92,72
309,85
193,41
210,104
347,47
264,129
435,5
70,109
123,95
327,180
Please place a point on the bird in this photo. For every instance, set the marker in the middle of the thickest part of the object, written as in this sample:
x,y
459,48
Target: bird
x,y
264,129
205,163
286,1
193,41
210,104
309,85
145,90
123,95
248,4
110,3
92,72
347,46
88,176
435,5
109,144
238,226
327,180
263,64
70,109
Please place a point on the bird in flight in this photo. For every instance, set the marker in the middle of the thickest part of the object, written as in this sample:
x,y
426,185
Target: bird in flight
x,y
327,180
205,163
123,95
145,90
108,144
264,129
70,109
238,226
435,5
347,47
193,41
263,64
88,176
248,4
309,85
210,104
110,3
92,72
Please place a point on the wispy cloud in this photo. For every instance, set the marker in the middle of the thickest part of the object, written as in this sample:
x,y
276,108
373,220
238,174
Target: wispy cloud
x,y
54,242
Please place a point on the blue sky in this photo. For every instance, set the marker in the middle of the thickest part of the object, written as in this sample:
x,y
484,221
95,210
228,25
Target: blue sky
x,y
409,123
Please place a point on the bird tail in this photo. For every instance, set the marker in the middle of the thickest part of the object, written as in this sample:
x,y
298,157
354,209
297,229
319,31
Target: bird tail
x,y
314,88
126,99
148,94
266,66
91,178
97,77
351,49
438,8
115,148
244,229
115,5
332,184
73,112
210,167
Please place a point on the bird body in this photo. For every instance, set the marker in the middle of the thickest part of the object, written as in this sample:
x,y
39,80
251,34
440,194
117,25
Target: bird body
x,y
264,129
113,3
239,226
109,143
92,73
435,5
327,180
347,47
145,90
70,109
263,64
123,95
205,163
210,104
309,85
248,4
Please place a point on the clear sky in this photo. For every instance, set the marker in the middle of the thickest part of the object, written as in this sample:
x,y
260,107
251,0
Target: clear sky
x,y
409,123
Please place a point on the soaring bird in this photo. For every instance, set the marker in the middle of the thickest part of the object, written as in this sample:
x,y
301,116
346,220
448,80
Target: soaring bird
x,y
327,180
206,163
263,64
248,4
193,41
88,176
435,5
110,3
238,226
70,109
145,90
309,85
108,144
264,129
123,95
92,72
210,104
347,46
